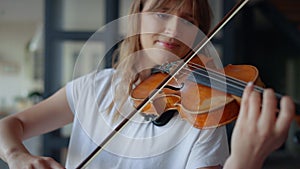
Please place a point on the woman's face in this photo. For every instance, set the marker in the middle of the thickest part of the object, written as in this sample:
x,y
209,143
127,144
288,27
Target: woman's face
x,y
168,35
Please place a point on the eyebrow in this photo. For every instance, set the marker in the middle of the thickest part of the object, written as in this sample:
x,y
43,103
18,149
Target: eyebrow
x,y
184,13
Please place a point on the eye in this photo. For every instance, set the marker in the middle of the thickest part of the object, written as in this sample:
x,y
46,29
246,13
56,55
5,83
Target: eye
x,y
162,15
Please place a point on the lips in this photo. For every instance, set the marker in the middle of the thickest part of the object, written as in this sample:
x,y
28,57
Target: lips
x,y
167,44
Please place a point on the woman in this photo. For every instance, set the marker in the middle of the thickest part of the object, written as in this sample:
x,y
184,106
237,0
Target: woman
x,y
95,103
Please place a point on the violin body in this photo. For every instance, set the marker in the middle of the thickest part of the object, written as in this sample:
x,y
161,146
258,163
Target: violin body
x,y
201,105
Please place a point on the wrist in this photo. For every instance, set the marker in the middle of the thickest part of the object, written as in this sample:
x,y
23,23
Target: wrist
x,y
232,163
238,163
13,153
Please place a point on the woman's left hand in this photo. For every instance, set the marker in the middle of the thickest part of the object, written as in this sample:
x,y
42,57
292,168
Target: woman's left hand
x,y
260,128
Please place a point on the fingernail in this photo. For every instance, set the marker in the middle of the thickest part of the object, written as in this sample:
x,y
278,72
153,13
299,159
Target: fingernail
x,y
250,84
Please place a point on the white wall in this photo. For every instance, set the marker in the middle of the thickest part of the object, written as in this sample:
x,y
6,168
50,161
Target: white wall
x,y
18,81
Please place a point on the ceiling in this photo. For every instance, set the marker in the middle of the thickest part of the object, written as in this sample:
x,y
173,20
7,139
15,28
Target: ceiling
x,y
21,10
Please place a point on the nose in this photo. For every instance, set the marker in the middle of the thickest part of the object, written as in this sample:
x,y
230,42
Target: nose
x,y
172,27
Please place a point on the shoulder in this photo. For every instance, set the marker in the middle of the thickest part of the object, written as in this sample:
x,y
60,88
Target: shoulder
x,y
89,80
99,75
103,75
89,85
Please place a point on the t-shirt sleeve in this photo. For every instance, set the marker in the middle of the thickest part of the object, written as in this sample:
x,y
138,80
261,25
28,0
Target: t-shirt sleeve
x,y
75,88
83,89
70,95
211,149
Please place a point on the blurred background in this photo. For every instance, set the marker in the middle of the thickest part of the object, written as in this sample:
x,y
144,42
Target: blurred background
x,y
41,40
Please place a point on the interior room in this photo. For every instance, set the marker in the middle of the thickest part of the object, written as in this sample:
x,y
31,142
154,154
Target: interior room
x,y
43,47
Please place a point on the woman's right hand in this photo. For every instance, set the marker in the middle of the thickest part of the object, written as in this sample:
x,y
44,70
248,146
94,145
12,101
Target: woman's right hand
x,y
36,120
28,161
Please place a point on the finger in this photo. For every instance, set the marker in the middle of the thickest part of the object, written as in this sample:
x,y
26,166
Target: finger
x,y
269,109
254,106
57,166
52,163
286,115
46,163
245,101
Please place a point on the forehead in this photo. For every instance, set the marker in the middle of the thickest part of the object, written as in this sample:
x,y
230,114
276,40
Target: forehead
x,y
178,6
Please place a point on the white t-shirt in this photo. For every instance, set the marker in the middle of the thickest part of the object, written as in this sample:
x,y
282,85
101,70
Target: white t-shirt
x,y
140,144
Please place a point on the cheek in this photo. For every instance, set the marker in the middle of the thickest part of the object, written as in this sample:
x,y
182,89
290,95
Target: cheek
x,y
147,29
188,36
146,41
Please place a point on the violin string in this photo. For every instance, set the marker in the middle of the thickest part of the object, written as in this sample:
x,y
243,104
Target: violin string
x,y
238,84
229,80
233,82
221,75
222,81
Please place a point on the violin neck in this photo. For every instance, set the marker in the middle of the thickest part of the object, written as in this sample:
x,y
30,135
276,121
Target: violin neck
x,y
228,85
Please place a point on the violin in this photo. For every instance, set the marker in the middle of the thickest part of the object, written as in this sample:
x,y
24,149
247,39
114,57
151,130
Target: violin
x,y
205,97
